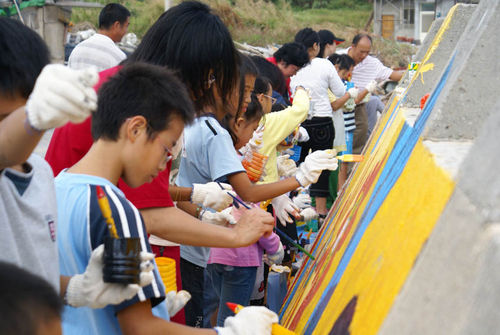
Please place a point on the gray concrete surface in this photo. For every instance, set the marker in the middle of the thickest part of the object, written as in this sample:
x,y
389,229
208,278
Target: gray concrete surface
x,y
441,55
472,88
454,285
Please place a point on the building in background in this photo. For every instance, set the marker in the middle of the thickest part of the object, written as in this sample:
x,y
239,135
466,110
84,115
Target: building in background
x,y
409,20
49,18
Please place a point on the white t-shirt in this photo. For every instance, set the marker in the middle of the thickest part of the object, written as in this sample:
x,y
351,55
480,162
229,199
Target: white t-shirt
x,y
319,76
98,51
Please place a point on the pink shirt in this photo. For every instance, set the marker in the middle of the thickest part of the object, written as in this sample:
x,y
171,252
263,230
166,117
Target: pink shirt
x,y
245,256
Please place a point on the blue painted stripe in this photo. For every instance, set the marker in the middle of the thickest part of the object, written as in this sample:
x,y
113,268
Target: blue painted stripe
x,y
396,162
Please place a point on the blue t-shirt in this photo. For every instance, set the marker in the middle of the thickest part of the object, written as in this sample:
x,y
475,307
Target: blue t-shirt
x,y
208,155
81,228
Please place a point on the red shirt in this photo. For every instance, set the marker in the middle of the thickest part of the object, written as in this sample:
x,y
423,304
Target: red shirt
x,y
287,80
72,141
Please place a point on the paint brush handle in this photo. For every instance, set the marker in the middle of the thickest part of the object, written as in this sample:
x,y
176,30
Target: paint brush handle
x,y
103,202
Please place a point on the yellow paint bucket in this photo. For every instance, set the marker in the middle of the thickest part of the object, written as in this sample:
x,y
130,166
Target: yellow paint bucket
x,y
166,267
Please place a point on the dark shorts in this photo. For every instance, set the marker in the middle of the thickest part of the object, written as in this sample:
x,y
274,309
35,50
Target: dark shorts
x,y
321,135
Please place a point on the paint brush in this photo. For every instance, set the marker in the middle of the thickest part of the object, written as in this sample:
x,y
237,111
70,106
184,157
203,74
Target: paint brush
x,y
276,330
350,158
239,201
285,236
235,204
103,202
295,244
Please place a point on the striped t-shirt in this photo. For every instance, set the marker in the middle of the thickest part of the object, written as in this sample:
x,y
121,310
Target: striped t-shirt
x,y
98,51
81,229
369,69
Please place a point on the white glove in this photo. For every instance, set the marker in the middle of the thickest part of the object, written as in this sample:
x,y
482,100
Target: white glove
x,y
249,321
371,87
176,301
218,218
308,214
256,142
317,161
286,166
353,92
212,195
277,257
283,206
302,200
89,289
303,135
61,95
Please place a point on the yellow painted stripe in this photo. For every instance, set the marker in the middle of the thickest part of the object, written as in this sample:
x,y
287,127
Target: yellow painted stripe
x,y
390,245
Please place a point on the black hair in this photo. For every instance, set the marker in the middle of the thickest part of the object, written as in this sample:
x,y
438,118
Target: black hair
x,y
22,57
261,85
344,61
254,110
26,301
358,37
140,89
193,42
247,67
307,37
292,53
325,37
272,73
111,13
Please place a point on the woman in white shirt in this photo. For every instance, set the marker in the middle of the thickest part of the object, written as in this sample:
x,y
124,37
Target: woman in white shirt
x,y
319,76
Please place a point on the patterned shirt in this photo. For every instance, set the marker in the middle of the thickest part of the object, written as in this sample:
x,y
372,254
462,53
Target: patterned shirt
x,y
98,51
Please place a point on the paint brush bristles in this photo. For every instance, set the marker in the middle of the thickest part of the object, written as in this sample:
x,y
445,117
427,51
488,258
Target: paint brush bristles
x,y
350,158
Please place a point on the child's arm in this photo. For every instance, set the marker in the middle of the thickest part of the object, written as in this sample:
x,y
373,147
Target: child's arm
x,y
336,104
213,195
16,143
254,193
172,224
60,95
307,173
138,319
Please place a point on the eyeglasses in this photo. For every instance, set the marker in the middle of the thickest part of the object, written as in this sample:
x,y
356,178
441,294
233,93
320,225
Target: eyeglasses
x,y
273,100
168,153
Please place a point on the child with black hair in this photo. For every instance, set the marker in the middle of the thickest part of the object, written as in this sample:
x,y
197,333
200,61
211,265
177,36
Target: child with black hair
x,y
28,303
140,115
32,101
236,285
209,69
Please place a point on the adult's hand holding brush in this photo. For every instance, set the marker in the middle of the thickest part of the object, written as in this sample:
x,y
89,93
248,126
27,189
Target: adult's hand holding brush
x,y
317,161
89,289
61,95
251,226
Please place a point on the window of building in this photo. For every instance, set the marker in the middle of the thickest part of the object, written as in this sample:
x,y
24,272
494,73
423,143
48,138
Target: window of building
x,y
409,16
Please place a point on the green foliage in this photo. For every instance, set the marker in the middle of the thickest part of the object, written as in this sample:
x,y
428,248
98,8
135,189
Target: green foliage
x,y
143,14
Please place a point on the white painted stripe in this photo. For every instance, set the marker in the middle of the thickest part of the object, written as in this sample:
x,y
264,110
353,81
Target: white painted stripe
x,y
121,210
